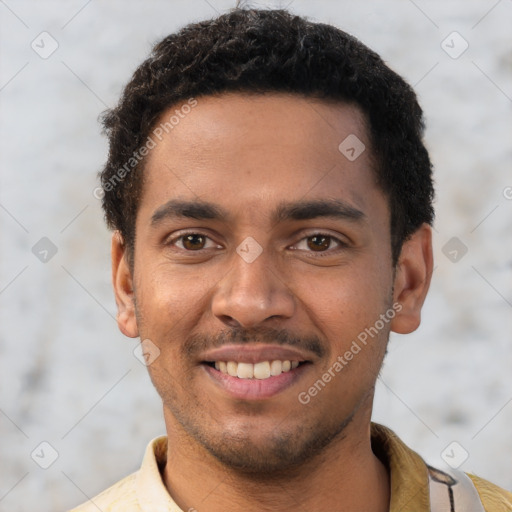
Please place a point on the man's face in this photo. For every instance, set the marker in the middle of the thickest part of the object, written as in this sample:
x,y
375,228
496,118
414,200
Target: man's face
x,y
258,240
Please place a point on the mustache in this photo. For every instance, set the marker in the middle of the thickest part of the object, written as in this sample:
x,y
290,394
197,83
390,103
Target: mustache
x,y
197,343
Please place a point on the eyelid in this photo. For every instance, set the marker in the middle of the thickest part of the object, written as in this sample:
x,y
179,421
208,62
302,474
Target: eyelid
x,y
171,240
341,243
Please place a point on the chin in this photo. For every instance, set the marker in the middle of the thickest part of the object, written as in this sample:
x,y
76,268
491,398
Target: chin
x,y
271,454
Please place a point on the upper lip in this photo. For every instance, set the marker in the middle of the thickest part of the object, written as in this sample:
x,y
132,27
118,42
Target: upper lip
x,y
255,353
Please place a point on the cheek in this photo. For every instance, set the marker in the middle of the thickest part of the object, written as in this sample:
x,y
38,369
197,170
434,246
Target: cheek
x,y
169,299
345,303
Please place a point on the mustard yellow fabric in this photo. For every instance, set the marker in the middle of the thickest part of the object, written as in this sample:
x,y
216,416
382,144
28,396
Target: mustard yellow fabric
x,y
144,491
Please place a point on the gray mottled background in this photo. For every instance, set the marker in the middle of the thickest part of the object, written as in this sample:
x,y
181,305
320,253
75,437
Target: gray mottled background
x,y
69,378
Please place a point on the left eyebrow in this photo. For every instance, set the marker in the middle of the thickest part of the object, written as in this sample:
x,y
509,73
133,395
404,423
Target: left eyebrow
x,y
303,210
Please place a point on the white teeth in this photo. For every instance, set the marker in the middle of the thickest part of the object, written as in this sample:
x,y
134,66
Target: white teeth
x,y
262,370
232,368
276,368
245,371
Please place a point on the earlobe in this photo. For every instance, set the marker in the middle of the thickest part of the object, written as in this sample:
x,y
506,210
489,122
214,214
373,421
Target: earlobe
x,y
412,279
122,281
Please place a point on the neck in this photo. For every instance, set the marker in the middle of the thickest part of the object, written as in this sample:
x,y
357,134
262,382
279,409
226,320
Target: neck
x,y
348,476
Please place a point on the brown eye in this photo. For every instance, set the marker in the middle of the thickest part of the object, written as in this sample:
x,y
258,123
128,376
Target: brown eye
x,y
319,242
193,241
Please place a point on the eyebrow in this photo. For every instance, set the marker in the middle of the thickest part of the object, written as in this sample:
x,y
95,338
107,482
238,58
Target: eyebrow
x,y
303,210
199,210
297,210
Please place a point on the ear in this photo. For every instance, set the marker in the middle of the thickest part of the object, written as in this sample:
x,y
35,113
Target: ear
x,y
412,280
122,281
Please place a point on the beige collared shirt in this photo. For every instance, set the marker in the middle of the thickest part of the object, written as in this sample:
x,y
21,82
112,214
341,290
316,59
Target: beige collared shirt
x,y
144,490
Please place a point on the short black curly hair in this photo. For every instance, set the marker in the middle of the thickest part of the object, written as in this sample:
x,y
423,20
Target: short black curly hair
x,y
264,51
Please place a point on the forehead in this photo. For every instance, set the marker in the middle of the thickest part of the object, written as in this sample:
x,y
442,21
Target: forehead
x,y
238,121
256,150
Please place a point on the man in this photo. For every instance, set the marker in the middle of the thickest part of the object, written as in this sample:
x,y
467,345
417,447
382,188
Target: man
x,y
271,200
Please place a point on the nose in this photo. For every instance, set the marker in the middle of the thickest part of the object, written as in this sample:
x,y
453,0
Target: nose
x,y
252,293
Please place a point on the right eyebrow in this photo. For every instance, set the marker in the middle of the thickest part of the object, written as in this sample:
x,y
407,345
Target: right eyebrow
x,y
176,208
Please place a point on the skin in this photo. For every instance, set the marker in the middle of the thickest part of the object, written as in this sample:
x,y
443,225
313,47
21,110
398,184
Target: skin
x,y
247,154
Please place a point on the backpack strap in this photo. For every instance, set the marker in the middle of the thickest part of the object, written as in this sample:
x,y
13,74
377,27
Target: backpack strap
x,y
452,491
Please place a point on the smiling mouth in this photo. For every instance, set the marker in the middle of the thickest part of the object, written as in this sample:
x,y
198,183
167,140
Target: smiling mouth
x,y
260,371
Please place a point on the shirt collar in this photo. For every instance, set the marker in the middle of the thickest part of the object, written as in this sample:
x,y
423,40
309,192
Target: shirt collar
x,y
149,486
408,471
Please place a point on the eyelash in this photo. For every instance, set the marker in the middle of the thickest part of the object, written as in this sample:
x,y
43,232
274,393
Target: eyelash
x,y
341,244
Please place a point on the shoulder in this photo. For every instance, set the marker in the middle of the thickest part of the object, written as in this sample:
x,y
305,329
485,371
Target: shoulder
x,y
494,498
120,497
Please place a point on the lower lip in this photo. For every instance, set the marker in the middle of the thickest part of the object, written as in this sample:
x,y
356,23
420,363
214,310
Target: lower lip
x,y
255,389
